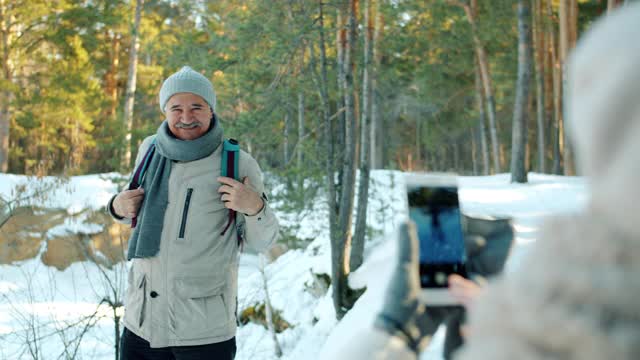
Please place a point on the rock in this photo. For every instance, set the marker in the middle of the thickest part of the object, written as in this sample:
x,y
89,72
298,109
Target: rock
x,y
25,233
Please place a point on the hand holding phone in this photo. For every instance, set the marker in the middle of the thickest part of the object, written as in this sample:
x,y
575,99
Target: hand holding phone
x,y
434,208
464,290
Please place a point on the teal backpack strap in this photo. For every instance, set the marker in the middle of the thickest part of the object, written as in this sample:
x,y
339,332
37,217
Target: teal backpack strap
x,y
229,168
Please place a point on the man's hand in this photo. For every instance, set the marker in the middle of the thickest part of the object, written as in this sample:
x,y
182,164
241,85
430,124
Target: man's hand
x,y
239,196
127,203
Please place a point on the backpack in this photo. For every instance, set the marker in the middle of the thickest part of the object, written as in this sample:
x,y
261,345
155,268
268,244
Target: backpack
x,y
228,168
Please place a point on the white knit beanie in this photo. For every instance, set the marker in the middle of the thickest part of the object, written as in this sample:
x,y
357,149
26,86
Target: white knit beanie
x,y
187,81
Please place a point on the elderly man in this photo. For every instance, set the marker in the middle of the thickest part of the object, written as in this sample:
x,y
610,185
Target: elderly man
x,y
182,290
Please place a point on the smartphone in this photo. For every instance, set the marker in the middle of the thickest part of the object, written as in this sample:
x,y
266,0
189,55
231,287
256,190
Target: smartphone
x,y
435,209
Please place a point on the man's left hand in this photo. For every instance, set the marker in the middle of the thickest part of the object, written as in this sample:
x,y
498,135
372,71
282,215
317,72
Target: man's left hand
x,y
239,196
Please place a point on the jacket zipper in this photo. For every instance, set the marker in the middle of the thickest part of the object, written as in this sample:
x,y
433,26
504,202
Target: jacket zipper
x,y
185,211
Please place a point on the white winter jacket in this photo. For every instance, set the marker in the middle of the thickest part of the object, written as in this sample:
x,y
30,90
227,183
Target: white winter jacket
x,y
186,294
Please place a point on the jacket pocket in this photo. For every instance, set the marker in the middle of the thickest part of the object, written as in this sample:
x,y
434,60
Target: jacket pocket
x,y
135,301
185,213
200,308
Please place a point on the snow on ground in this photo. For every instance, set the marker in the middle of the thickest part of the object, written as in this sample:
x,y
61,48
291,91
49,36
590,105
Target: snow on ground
x,y
33,294
527,204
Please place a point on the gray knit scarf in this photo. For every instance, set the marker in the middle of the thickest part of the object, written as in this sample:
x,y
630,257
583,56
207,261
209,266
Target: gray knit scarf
x,y
145,238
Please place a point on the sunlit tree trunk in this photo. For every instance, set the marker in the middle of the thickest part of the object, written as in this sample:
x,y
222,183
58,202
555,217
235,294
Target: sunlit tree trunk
x,y
268,307
556,75
569,161
456,156
357,250
131,84
471,11
7,95
299,147
519,134
286,135
345,216
482,132
568,33
539,50
474,134
376,143
341,41
549,42
321,80
111,77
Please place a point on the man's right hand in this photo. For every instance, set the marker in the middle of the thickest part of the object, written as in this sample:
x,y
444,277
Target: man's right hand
x,y
127,203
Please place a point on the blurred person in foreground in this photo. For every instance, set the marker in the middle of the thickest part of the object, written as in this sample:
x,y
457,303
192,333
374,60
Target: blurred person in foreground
x,y
576,293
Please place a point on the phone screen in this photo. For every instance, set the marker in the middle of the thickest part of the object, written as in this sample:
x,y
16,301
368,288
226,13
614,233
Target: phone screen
x,y
436,213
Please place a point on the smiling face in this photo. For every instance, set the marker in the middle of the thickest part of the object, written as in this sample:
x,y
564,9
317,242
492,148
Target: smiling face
x,y
188,116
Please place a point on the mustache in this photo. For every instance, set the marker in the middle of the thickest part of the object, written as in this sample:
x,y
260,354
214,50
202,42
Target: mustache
x,y
188,126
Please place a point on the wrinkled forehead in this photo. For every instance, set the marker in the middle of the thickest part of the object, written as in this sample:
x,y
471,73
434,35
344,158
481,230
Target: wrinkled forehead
x,y
186,98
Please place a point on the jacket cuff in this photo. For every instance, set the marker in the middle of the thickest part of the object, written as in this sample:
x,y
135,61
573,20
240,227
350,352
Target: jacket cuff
x,y
261,229
259,218
112,212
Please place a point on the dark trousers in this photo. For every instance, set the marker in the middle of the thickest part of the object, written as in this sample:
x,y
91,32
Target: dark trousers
x,y
133,347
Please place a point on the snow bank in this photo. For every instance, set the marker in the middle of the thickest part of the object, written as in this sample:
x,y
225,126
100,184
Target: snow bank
x,y
30,290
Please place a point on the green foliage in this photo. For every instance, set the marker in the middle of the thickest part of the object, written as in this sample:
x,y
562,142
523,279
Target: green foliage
x,y
70,66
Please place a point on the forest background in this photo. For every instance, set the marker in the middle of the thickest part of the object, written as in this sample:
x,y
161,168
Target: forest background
x,y
312,89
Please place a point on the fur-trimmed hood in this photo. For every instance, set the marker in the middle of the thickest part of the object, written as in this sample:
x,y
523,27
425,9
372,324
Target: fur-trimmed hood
x,y
576,295
603,114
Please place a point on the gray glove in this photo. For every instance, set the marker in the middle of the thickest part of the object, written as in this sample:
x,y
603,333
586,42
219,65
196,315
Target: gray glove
x,y
402,314
487,241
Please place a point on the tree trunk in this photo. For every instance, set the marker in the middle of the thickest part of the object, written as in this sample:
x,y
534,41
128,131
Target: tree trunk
x,y
131,84
572,22
299,149
539,46
7,95
268,308
417,139
474,134
548,84
357,250
483,62
456,157
557,105
341,258
116,320
111,77
322,84
376,142
482,132
287,132
566,15
341,41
